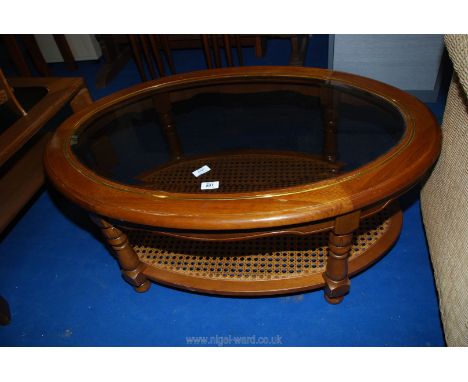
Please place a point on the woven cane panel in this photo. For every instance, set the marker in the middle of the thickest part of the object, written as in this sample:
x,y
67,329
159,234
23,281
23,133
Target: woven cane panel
x,y
240,173
268,258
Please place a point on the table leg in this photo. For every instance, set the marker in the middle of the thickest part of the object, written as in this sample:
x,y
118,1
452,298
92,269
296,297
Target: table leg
x,y
329,106
163,108
339,247
132,268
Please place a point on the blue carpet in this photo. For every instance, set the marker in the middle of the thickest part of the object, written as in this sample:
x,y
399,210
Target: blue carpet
x,y
64,287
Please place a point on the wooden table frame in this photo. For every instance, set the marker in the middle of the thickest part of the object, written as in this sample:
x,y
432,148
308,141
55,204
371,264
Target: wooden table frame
x,y
23,173
26,175
336,205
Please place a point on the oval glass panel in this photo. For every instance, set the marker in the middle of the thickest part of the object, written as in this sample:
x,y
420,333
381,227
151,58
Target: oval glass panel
x,y
252,135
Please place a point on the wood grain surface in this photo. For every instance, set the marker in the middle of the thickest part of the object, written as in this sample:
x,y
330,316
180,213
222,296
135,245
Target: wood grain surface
x,y
379,180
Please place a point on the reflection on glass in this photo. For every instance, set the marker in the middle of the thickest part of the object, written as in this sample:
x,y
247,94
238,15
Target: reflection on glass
x,y
253,136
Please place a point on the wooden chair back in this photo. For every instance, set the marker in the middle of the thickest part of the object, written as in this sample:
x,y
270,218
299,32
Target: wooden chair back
x,y
147,49
215,42
19,47
7,96
150,52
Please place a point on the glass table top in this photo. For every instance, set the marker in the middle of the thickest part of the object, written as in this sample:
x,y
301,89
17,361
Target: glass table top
x,y
243,136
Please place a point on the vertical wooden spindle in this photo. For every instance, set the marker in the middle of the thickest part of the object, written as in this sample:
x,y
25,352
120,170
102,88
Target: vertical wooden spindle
x,y
239,50
137,55
217,53
157,54
147,54
227,49
167,51
207,51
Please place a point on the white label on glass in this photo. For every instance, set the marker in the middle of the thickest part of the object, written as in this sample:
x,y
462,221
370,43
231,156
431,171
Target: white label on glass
x,y
201,171
210,185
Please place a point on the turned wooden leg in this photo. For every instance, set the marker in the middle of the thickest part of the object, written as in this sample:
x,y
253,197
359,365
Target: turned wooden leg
x,y
132,268
339,246
329,106
163,108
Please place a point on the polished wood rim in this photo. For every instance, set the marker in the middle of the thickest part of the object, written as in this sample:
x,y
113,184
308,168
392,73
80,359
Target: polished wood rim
x,y
385,177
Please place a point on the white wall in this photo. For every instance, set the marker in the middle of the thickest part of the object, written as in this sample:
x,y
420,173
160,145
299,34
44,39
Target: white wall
x,y
83,46
409,62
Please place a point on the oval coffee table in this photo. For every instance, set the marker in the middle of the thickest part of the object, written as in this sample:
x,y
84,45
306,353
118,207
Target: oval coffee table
x,y
246,181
